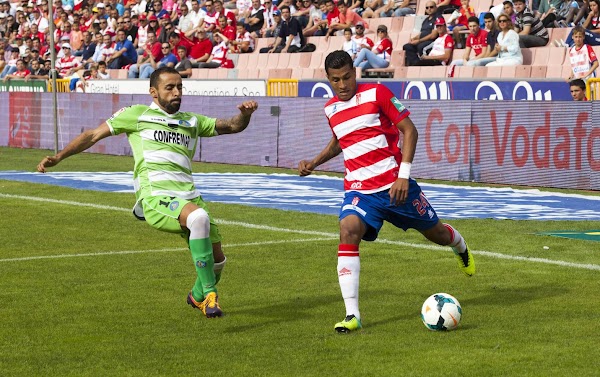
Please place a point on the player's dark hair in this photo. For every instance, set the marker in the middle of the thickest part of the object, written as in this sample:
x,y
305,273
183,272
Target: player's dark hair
x,y
578,82
337,60
155,76
473,19
489,16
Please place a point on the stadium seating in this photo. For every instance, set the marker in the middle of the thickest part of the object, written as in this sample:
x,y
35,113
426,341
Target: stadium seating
x,y
538,72
548,62
397,23
397,60
464,72
118,73
282,73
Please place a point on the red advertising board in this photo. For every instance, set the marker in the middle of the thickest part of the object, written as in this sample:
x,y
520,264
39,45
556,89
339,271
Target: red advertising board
x,y
24,120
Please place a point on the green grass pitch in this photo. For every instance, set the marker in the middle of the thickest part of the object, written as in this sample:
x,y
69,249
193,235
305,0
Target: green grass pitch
x,y
87,290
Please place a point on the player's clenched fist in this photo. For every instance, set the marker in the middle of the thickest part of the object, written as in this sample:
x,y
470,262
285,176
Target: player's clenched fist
x,y
305,168
248,107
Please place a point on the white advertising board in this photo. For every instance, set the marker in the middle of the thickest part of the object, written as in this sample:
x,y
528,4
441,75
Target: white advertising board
x,y
213,88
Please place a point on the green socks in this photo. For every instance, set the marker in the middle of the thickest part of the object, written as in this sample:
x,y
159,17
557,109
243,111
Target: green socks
x,y
202,256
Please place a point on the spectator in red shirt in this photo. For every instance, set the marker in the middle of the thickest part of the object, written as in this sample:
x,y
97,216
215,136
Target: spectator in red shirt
x,y
201,50
152,48
476,42
347,19
231,20
35,33
226,29
380,56
175,41
333,13
460,20
20,73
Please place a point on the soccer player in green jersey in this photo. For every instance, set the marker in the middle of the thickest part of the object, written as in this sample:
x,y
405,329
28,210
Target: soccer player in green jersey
x,y
163,141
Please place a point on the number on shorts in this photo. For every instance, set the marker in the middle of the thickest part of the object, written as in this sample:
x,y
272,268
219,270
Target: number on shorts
x,y
421,204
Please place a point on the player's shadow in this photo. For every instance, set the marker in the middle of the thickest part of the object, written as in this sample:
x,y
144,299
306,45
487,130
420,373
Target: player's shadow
x,y
506,295
291,310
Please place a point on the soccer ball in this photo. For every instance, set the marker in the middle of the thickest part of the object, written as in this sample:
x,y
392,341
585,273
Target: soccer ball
x,y
441,312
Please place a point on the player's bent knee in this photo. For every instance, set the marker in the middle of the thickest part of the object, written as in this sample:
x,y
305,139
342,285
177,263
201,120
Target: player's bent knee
x,y
198,220
351,229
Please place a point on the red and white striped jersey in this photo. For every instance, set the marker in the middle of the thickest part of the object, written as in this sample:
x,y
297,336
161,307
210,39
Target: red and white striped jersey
x,y
365,127
65,64
581,60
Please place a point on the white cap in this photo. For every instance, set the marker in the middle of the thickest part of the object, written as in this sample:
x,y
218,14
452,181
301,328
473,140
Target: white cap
x,y
3,15
66,45
100,5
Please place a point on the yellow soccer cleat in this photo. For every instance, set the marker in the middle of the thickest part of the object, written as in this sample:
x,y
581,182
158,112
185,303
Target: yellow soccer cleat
x,y
466,263
349,324
209,307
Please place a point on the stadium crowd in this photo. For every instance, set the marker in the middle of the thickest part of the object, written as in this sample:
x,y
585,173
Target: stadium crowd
x,y
93,37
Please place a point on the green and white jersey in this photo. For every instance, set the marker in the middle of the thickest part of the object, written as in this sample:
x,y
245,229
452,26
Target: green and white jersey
x,y
163,146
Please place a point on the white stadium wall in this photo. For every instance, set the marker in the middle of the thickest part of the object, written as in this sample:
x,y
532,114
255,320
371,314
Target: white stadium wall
x,y
550,144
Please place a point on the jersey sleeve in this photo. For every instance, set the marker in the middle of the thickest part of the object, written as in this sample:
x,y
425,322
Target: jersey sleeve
x,y
449,43
206,126
591,54
390,105
124,120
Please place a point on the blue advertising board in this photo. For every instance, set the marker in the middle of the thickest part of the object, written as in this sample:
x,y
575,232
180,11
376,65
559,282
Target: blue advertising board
x,y
458,90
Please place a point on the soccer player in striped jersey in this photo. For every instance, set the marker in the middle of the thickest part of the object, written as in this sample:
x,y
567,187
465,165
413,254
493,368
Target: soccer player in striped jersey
x,y
367,121
163,141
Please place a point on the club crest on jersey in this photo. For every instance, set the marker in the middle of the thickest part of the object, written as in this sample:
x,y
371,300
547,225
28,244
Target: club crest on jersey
x,y
118,112
173,206
355,200
397,104
357,96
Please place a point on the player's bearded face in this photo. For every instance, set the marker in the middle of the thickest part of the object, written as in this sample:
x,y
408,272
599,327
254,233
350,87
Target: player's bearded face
x,y
169,94
171,106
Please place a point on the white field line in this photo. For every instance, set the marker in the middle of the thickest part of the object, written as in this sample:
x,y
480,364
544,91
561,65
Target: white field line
x,y
122,252
328,235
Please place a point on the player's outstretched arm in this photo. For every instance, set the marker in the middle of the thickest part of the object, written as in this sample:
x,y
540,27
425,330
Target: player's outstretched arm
x,y
82,142
239,122
330,151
